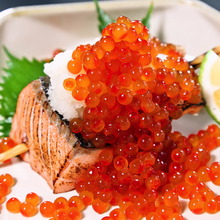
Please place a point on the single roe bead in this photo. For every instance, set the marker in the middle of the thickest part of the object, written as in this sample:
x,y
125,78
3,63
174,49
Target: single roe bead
x,y
92,100
74,66
107,43
171,198
124,20
106,156
197,206
145,142
32,198
117,214
211,206
90,60
13,205
80,93
60,203
120,163
73,213
4,189
47,209
27,209
7,179
131,36
124,97
98,50
99,206
191,177
123,123
119,31
76,201
87,197
69,84
82,80
76,125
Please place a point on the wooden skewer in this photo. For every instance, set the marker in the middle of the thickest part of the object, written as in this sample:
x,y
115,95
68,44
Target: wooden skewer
x,y
15,151
198,60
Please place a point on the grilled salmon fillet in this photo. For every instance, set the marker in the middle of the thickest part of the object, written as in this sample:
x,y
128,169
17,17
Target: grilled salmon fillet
x,y
54,152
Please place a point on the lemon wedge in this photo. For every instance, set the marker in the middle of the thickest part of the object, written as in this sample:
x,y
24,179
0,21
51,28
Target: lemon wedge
x,y
209,79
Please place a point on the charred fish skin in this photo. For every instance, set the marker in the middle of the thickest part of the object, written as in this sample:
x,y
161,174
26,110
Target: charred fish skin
x,y
45,82
54,151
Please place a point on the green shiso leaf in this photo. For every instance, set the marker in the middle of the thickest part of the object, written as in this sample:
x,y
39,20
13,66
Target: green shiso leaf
x,y
18,73
146,19
103,18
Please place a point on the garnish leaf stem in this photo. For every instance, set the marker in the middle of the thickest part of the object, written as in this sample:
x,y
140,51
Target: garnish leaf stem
x,y
104,18
146,19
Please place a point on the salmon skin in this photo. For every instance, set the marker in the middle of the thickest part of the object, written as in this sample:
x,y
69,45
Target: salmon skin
x,y
54,152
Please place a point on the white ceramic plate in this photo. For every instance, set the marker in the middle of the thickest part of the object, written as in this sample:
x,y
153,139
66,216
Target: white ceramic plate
x,y
36,31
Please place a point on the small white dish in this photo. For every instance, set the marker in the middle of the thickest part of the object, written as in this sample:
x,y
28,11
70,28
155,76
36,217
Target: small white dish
x,y
36,31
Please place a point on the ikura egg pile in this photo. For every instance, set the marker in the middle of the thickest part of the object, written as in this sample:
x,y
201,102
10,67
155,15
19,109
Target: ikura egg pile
x,y
130,92
150,183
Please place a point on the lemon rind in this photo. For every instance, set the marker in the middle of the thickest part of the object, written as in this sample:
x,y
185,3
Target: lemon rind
x,y
203,67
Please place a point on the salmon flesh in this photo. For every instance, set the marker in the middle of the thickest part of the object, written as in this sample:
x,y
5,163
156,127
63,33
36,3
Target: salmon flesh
x,y
54,152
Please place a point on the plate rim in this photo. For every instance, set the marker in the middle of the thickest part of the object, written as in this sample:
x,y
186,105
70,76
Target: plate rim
x,y
43,9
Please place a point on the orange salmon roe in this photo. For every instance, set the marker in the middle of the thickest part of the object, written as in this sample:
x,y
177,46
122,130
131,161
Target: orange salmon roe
x,y
76,201
7,179
47,209
27,209
125,69
69,84
4,189
60,203
5,144
74,66
13,205
142,183
33,198
99,206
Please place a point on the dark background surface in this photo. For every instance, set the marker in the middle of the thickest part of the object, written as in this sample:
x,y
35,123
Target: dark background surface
x,y
4,4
